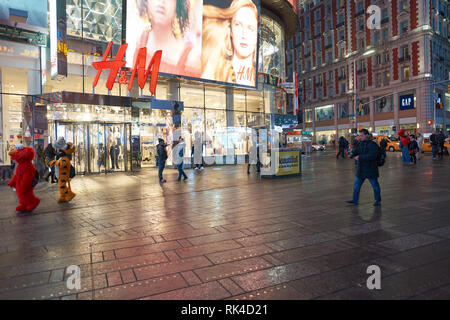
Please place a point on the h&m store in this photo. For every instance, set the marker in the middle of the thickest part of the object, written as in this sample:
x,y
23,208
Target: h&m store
x,y
48,93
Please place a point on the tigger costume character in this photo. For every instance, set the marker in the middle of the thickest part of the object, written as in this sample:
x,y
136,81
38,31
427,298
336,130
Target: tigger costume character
x,y
63,164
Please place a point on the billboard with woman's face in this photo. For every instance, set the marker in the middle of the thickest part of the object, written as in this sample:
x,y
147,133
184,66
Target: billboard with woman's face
x,y
206,39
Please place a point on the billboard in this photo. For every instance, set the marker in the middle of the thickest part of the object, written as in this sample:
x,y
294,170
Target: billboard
x,y
58,38
204,39
36,12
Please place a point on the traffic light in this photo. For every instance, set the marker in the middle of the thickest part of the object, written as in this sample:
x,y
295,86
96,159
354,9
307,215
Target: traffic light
x,y
439,102
448,89
430,122
360,107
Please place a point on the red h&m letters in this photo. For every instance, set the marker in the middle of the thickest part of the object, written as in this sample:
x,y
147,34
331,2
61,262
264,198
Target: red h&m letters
x,y
115,65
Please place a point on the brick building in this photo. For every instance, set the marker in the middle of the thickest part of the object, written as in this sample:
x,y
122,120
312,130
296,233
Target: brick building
x,y
402,67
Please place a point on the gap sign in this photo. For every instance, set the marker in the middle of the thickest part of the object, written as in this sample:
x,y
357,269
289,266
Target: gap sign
x,y
406,102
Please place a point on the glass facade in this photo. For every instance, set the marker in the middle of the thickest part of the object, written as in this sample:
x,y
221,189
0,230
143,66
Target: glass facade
x,y
117,137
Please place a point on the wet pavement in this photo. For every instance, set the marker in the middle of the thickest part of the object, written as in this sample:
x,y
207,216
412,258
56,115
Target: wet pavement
x,y
223,234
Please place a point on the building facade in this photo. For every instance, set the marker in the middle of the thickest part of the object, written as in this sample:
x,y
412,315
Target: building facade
x,y
401,52
36,108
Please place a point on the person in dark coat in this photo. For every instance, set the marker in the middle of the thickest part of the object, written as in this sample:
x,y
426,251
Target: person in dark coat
x,y
161,158
383,144
50,154
366,152
342,145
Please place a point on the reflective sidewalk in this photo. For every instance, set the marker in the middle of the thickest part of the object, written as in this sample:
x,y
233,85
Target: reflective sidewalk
x,y
224,234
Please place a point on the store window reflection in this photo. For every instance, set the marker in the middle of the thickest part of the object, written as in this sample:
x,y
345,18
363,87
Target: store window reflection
x,y
215,98
384,104
192,96
216,133
343,110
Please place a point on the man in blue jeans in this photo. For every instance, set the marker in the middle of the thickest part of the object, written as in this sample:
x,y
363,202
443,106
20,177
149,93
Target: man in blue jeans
x,y
181,148
434,144
366,154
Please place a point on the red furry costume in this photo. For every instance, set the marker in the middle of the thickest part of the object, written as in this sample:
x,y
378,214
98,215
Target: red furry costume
x,y
403,138
23,179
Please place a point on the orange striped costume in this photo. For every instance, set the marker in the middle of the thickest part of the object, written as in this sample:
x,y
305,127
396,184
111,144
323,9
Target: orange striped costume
x,y
63,164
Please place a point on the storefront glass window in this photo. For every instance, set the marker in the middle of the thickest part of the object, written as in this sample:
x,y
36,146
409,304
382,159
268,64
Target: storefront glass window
x,y
193,96
216,133
271,51
239,100
384,104
324,113
254,119
268,99
365,110
216,98
191,123
254,101
11,132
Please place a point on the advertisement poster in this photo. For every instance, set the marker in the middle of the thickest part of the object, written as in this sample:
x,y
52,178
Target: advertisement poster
x,y
204,39
288,163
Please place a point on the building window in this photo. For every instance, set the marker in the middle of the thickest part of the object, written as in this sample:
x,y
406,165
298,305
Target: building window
x,y
343,110
378,80
362,43
385,34
405,73
404,27
404,5
386,57
405,51
376,38
308,115
378,59
386,78
343,89
324,113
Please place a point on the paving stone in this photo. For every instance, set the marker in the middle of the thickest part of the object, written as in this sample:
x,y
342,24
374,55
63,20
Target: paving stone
x,y
409,242
238,254
127,276
207,291
280,292
231,286
114,278
229,269
151,248
191,278
207,248
170,267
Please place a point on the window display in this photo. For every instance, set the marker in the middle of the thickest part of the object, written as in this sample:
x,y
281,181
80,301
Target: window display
x,y
384,104
344,110
325,113
271,52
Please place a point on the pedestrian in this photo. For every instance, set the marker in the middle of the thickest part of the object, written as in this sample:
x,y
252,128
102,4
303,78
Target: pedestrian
x,y
441,144
161,158
366,153
347,146
404,145
383,144
413,148
341,146
434,145
50,154
419,143
181,148
197,153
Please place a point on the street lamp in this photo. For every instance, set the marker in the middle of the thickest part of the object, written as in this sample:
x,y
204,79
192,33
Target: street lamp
x,y
364,54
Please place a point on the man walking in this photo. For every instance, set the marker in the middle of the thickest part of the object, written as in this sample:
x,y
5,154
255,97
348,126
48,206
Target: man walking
x,y
434,144
161,159
341,148
441,144
366,153
181,148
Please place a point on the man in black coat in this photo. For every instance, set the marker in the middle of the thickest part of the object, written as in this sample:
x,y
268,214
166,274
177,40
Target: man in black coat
x,y
342,146
161,158
366,152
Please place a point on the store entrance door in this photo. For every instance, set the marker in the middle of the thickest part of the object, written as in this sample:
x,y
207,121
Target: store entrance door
x,y
100,147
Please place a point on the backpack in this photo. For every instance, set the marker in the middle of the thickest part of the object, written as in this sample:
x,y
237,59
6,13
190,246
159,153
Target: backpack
x,y
35,179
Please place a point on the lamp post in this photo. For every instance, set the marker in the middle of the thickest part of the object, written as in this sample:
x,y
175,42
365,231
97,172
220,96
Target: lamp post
x,y
365,54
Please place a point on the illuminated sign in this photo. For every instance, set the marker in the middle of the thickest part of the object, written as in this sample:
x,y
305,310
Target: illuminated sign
x,y
58,38
407,102
140,67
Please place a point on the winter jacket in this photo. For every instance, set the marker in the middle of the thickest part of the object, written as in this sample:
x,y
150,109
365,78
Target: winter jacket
x,y
161,153
367,164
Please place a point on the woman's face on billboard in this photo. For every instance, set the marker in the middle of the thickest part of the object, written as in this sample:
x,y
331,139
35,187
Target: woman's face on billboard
x,y
162,12
244,28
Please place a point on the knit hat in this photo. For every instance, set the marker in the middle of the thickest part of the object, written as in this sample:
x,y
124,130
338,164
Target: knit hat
x,y
60,143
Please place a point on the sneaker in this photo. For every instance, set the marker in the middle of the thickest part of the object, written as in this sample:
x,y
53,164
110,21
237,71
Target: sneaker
x,y
202,168
196,168
162,181
377,203
352,202
185,179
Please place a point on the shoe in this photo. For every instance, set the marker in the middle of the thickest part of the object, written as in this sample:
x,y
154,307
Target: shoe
x,y
352,202
184,179
377,203
162,181
196,168
179,180
202,168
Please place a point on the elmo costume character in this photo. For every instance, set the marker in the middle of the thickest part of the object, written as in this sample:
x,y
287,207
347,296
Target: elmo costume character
x,y
22,180
63,165
404,144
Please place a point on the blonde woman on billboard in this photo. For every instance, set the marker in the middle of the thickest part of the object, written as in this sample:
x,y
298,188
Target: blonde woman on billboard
x,y
229,42
168,29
